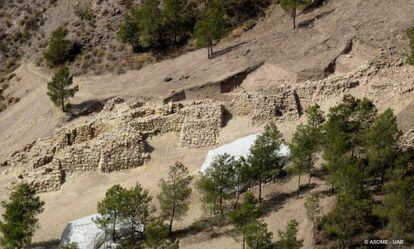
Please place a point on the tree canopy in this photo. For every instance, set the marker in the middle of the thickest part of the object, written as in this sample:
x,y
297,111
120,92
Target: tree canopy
x,y
58,88
20,217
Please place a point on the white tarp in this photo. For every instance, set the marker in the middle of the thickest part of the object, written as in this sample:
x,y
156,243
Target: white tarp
x,y
84,232
238,148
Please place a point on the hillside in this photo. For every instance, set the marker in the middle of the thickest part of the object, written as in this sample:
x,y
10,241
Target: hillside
x,y
178,108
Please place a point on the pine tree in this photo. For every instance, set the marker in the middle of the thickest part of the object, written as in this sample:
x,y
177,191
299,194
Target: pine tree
x,y
149,23
141,25
306,142
156,236
313,209
293,6
241,178
58,90
59,48
109,211
125,206
211,26
288,238
248,213
134,209
382,144
258,236
129,30
398,208
19,217
264,159
216,184
174,195
176,13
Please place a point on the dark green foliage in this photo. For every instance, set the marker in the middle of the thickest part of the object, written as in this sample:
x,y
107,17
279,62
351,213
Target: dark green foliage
x,y
410,34
156,236
306,142
59,50
179,17
109,210
248,212
398,208
19,218
313,209
349,218
211,26
258,236
58,90
216,184
239,11
382,143
141,26
344,142
175,192
126,206
293,6
288,238
264,160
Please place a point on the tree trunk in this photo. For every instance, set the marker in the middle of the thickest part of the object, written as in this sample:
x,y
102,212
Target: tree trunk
x,y
260,190
237,200
294,17
221,207
297,196
382,179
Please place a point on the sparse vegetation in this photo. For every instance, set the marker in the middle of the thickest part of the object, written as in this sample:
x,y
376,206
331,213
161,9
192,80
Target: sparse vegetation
x,y
58,90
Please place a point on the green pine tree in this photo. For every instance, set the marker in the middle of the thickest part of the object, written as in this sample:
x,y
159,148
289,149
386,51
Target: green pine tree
x,y
108,209
211,26
398,208
382,144
248,212
157,236
263,159
306,142
58,90
288,238
216,184
19,217
59,48
293,6
313,209
258,236
175,192
142,25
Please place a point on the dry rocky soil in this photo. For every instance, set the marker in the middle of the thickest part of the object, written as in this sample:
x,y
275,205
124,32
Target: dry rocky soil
x,y
270,72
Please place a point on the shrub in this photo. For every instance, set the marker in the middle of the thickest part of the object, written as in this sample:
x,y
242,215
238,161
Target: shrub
x,y
59,48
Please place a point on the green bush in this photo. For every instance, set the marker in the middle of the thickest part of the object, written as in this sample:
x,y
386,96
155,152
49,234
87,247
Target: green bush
x,y
59,48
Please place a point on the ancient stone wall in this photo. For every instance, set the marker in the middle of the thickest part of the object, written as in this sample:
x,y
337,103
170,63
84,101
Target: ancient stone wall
x,y
202,122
